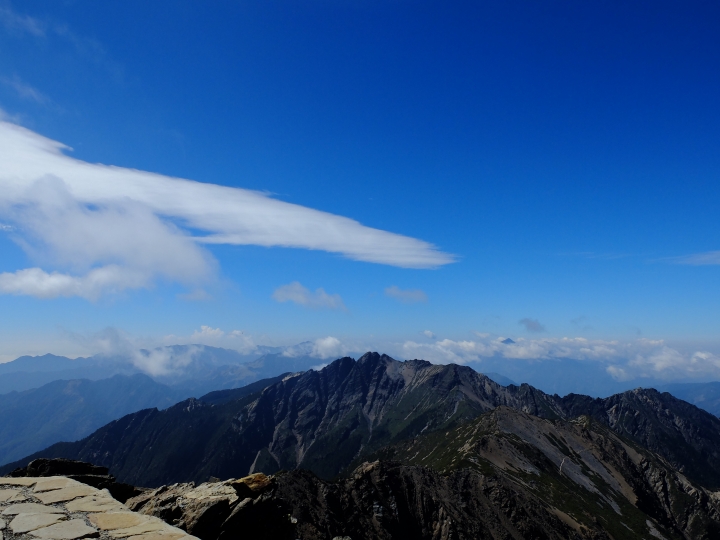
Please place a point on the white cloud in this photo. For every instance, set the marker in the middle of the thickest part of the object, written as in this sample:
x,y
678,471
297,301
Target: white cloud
x,y
328,347
428,334
207,332
407,296
79,216
38,283
295,292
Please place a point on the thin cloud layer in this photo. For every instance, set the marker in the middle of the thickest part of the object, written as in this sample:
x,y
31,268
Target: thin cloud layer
x,y
700,259
79,217
296,293
532,325
407,296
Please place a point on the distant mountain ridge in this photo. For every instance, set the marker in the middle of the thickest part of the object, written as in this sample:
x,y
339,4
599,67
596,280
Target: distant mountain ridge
x,y
193,369
703,395
70,410
328,420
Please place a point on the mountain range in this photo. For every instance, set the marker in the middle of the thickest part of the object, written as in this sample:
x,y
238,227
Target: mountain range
x,y
328,421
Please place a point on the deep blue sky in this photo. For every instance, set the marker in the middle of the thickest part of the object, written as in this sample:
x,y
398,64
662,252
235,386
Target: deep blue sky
x,y
566,152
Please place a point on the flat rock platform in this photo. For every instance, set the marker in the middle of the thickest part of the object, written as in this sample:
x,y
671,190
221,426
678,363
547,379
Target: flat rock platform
x,y
59,508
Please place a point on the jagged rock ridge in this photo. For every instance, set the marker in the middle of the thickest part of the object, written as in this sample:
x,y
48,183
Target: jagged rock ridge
x,y
329,420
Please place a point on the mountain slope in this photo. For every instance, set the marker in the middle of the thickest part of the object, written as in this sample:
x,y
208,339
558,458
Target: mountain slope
x,y
70,410
688,437
582,468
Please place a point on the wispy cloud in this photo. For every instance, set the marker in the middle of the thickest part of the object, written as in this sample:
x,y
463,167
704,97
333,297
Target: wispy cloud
x,y
24,90
296,293
129,227
707,258
407,296
531,325
15,22
428,334
328,347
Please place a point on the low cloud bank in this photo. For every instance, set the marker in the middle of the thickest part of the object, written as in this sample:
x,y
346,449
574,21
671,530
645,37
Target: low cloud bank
x,y
624,360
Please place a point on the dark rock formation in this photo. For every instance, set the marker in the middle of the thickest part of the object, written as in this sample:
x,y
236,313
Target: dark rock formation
x,y
505,475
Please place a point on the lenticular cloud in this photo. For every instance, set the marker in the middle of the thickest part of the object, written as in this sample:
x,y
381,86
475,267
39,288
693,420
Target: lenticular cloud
x,y
85,217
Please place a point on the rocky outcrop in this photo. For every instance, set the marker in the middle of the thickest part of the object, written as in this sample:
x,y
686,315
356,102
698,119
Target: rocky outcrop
x,y
59,508
379,501
87,473
233,508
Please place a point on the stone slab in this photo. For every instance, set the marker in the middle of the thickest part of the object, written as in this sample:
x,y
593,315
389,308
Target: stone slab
x,y
54,482
2,524
29,522
7,494
65,494
142,528
93,503
17,481
30,508
66,530
161,536
118,520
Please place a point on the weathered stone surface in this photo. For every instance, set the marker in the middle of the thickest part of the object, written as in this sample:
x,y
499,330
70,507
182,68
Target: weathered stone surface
x,y
67,530
17,481
8,494
29,522
75,503
54,482
252,485
143,528
160,536
30,508
117,520
95,503
65,494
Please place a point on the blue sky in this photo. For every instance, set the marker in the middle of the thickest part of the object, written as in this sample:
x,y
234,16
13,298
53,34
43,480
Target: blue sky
x,y
561,157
